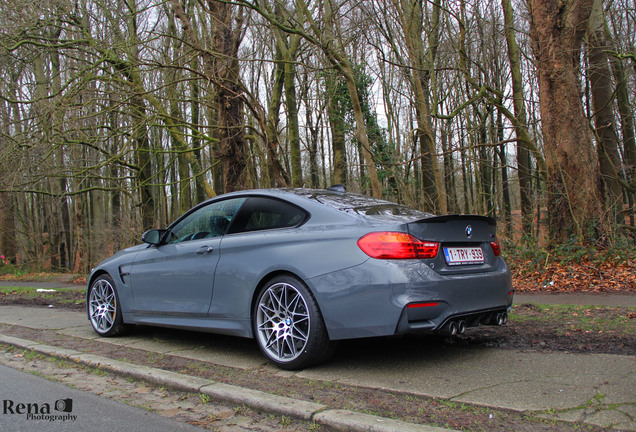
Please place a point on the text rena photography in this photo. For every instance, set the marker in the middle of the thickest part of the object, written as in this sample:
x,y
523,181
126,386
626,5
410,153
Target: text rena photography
x,y
41,411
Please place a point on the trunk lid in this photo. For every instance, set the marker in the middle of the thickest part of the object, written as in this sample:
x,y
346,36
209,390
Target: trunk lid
x,y
465,242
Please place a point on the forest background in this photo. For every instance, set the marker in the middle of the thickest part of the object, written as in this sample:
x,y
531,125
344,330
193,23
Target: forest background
x,y
117,116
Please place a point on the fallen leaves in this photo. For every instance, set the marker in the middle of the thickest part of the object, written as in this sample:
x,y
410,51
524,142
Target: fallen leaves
x,y
576,277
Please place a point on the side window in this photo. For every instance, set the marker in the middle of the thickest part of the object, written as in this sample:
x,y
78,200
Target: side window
x,y
212,220
261,213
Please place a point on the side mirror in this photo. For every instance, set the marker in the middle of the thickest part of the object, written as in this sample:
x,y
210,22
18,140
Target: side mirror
x,y
153,237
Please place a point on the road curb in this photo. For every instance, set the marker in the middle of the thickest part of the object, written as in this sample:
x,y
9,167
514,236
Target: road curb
x,y
343,420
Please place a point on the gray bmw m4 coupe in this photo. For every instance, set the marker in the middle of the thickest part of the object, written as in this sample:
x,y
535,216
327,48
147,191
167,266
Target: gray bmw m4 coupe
x,y
298,269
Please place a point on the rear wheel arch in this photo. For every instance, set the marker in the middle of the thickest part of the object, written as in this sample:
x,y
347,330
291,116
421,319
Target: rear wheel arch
x,y
267,279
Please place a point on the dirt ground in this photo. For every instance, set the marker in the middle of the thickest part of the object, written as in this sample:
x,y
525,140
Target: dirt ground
x,y
607,330
66,299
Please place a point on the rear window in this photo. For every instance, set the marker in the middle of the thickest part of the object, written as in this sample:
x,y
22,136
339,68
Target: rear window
x,y
366,206
261,213
390,210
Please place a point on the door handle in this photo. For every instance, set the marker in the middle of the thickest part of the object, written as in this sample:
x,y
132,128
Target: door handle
x,y
205,250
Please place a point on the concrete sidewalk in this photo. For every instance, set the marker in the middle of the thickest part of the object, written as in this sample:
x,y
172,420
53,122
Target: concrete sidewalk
x,y
594,388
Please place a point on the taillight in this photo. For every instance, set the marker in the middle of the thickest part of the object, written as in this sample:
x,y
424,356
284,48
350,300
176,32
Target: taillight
x,y
396,245
496,247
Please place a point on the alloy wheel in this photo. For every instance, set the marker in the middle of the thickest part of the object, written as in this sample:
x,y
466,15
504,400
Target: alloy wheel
x,y
102,306
283,322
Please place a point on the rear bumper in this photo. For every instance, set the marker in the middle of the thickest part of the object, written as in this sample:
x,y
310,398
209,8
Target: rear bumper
x,y
410,324
373,299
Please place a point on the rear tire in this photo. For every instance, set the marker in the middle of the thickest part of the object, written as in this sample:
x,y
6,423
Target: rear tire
x,y
104,310
288,325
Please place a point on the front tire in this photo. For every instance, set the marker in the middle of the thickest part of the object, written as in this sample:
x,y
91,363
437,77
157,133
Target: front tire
x,y
104,310
288,325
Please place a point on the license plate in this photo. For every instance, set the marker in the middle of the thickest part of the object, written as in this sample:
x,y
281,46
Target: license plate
x,y
464,255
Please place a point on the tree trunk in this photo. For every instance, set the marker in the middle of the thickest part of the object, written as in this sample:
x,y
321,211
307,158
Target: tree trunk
x,y
171,78
312,136
505,186
337,126
200,194
144,163
449,171
627,127
228,97
292,113
361,132
574,202
8,246
602,96
523,147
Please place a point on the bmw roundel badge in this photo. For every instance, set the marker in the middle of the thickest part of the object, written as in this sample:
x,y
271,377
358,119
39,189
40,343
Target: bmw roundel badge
x,y
469,231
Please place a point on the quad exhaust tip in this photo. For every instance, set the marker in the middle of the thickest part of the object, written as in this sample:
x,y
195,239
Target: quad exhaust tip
x,y
456,327
452,328
501,318
461,326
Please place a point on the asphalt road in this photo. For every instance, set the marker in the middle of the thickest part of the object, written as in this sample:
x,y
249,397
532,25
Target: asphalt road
x,y
36,404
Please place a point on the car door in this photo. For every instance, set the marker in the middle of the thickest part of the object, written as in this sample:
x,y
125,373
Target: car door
x,y
260,239
176,277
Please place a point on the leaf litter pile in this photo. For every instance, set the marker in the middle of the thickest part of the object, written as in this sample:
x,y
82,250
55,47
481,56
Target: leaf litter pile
x,y
582,277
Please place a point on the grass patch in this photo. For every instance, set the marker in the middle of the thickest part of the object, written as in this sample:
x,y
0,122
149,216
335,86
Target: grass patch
x,y
30,355
24,273
60,297
6,290
588,319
